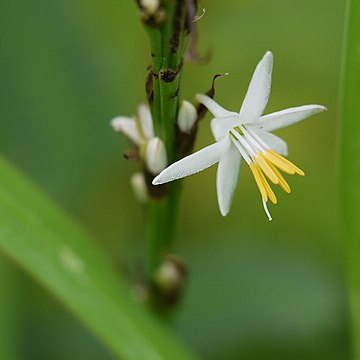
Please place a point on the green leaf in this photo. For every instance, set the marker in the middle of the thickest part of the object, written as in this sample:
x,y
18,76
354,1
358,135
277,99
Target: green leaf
x,y
350,164
58,253
10,311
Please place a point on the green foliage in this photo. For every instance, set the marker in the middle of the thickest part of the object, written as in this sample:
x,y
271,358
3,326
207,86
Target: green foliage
x,y
350,164
9,313
62,256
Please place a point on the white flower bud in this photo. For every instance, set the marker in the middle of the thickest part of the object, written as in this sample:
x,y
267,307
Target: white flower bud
x,y
139,187
167,276
150,6
155,156
170,276
187,116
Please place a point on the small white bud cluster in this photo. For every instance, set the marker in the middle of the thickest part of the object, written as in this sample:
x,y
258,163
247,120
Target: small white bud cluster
x,y
151,149
187,117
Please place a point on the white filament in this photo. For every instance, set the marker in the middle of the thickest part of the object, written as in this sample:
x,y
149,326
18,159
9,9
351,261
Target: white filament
x,y
267,210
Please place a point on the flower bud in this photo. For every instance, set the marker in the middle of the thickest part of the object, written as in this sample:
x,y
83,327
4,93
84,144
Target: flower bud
x,y
167,276
170,279
187,116
150,6
155,156
139,187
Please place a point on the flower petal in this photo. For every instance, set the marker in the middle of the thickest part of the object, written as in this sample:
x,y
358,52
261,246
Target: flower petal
x,y
146,122
187,117
274,142
155,155
227,178
258,92
280,119
193,163
217,110
128,127
220,127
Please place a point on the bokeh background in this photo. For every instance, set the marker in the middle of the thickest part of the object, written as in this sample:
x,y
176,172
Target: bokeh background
x,y
257,290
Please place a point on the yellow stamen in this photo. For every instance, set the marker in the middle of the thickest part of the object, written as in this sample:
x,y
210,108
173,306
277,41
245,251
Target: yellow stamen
x,y
264,166
279,163
268,188
282,182
256,172
264,187
286,162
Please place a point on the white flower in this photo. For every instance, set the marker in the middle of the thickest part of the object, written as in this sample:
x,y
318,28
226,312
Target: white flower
x,y
245,135
139,129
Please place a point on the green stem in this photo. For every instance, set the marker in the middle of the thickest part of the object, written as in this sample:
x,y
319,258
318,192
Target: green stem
x,y
350,165
162,223
168,85
166,69
169,109
156,45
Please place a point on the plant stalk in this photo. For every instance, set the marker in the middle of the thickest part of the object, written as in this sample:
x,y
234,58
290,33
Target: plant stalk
x,y
168,43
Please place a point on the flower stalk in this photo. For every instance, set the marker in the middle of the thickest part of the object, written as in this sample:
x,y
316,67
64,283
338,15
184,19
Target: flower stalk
x,y
168,31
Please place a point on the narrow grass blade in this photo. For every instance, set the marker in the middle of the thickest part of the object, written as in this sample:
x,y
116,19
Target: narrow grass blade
x,y
58,253
350,164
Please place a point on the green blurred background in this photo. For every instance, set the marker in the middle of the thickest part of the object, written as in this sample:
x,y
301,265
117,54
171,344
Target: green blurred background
x,y
257,290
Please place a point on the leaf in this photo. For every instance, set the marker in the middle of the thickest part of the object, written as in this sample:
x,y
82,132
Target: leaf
x,y
350,164
58,253
10,310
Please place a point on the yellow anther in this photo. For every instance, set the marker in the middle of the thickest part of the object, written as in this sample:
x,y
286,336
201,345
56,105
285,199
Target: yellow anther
x,y
267,187
286,162
279,163
256,172
264,166
282,182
